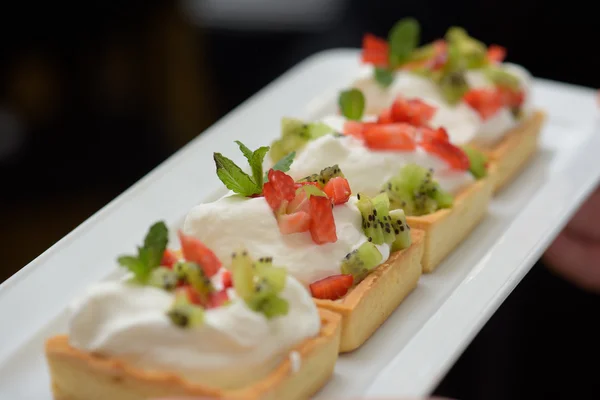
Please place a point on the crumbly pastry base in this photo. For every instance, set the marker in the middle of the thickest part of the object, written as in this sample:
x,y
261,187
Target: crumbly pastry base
x,y
78,375
447,228
515,150
366,307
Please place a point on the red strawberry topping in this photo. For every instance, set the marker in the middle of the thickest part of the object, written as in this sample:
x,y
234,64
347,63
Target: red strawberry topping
x,y
169,259
338,190
332,287
453,155
375,51
194,250
226,278
217,299
413,111
192,295
496,54
322,223
486,102
294,223
397,136
278,189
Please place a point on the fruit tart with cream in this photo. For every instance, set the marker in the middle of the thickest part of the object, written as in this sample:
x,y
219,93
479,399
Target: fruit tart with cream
x,y
439,186
342,247
480,99
184,324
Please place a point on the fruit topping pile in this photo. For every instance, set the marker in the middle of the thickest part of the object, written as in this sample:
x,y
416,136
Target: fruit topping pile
x,y
403,127
306,205
445,61
189,277
382,227
295,134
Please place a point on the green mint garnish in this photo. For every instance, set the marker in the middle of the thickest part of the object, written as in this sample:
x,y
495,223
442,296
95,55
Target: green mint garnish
x,y
150,255
384,77
352,104
282,165
234,178
255,159
403,40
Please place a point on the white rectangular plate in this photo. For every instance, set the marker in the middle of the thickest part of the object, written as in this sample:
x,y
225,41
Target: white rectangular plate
x,y
412,351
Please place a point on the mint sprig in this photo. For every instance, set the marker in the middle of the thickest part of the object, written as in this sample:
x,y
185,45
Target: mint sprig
x,y
403,39
282,165
383,76
150,255
352,104
234,178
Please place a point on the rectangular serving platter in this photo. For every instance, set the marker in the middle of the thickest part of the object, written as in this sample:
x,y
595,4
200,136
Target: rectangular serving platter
x,y
413,350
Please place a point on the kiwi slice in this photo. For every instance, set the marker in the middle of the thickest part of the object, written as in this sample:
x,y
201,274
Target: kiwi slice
x,y
371,224
501,77
361,261
194,275
477,161
381,209
295,134
185,314
325,175
259,283
414,191
401,230
164,278
472,51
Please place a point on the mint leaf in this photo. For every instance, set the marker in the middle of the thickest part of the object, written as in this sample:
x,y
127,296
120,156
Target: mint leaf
x,y
384,77
256,163
352,104
234,178
282,165
403,40
247,152
150,255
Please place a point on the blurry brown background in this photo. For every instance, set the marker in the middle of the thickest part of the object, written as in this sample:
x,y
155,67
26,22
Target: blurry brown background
x,y
94,95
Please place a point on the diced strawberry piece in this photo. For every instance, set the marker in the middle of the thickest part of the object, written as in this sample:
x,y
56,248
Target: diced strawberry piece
x,y
194,250
294,223
375,51
510,97
439,134
397,136
190,292
454,156
322,223
226,279
217,299
385,117
278,189
496,54
300,201
338,190
440,55
354,128
414,111
169,258
486,102
332,287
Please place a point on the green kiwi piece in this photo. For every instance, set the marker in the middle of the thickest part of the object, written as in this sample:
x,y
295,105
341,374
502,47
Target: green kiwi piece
x,y
270,305
329,173
311,178
472,51
361,261
401,230
477,161
381,208
295,134
242,274
371,226
415,191
164,278
194,275
501,77
272,278
184,314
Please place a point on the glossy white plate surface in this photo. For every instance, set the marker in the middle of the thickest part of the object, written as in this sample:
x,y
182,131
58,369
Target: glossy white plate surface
x,y
412,351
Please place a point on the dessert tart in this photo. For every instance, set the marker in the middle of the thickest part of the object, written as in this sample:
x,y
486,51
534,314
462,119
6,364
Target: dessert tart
x,y
185,325
480,99
338,245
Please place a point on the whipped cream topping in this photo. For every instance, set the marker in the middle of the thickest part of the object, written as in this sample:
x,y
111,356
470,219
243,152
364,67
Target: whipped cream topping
x,y
368,170
463,124
233,347
233,222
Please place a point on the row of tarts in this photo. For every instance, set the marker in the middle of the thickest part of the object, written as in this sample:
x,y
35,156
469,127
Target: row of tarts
x,y
319,239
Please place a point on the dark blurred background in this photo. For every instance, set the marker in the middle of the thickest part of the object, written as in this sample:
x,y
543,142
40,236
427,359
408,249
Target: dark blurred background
x,y
94,95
